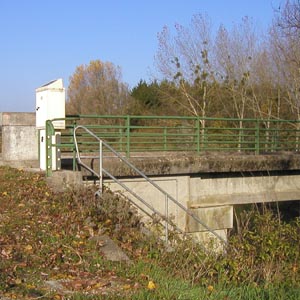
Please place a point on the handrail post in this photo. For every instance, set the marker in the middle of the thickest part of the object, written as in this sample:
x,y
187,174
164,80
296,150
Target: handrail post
x,y
72,141
257,146
128,136
167,218
120,139
297,136
276,138
198,134
100,167
203,134
165,139
49,134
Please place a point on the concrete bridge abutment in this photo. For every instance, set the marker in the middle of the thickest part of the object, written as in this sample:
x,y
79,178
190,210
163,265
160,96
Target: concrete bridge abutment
x,y
212,195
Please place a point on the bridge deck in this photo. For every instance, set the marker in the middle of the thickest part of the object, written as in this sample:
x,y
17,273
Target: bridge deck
x,y
183,163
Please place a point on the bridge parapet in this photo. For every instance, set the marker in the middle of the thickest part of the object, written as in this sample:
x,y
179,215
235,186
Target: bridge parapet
x,y
208,163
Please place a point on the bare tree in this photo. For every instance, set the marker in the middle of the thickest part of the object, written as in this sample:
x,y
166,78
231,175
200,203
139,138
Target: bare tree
x,y
285,37
184,58
285,34
288,18
235,54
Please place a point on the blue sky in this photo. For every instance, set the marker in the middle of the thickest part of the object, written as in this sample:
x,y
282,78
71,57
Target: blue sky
x,y
44,40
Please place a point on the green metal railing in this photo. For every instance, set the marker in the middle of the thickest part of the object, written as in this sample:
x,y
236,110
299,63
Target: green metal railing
x,y
139,134
142,204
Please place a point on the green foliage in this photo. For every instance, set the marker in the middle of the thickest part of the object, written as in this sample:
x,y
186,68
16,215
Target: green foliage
x,y
265,252
147,96
269,248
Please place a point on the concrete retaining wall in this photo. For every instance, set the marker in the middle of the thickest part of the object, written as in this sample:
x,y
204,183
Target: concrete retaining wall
x,y
19,137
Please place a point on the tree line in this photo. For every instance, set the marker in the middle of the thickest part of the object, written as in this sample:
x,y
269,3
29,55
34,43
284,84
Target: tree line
x,y
237,72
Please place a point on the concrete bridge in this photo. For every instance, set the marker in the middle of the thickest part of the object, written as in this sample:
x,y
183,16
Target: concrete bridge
x,y
208,183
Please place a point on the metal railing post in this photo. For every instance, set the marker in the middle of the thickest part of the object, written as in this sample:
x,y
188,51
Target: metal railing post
x,y
121,139
49,133
198,134
128,136
297,136
100,167
167,218
257,141
165,139
73,150
203,135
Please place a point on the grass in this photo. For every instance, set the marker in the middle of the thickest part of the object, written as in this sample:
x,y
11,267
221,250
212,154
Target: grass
x,y
46,237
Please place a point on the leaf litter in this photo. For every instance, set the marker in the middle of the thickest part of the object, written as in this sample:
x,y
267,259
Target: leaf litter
x,y
47,241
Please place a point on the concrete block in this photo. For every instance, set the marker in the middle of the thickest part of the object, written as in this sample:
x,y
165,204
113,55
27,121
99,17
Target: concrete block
x,y
19,143
18,119
177,187
61,180
19,137
220,217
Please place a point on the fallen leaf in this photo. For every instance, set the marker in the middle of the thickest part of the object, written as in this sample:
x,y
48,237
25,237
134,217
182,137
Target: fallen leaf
x,y
151,285
126,286
210,288
28,248
108,222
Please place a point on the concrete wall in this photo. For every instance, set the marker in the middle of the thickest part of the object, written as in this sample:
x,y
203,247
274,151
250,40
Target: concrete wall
x,y
218,218
176,186
19,137
212,199
0,134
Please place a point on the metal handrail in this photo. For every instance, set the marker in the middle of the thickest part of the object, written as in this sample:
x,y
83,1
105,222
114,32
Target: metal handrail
x,y
135,134
130,165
